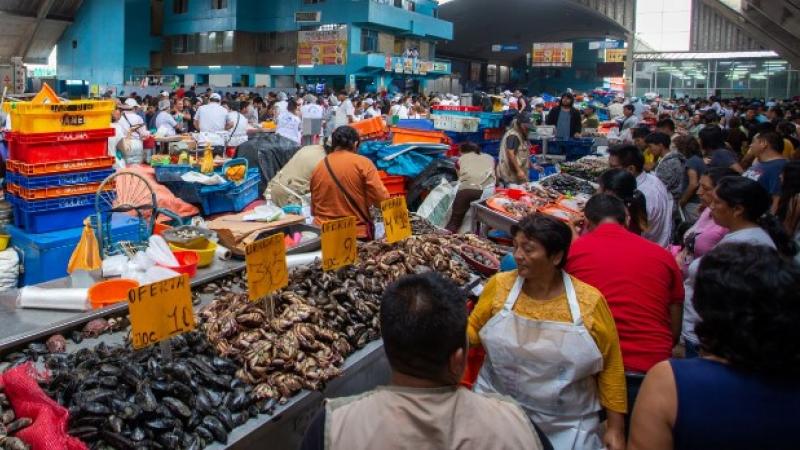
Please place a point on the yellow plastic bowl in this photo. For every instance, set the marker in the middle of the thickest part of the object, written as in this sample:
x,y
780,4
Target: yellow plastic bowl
x,y
4,241
205,254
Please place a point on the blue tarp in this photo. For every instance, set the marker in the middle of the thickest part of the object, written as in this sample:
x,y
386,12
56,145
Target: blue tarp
x,y
408,160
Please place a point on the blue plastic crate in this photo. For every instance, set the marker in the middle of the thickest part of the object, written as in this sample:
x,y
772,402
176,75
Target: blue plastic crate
x,y
62,179
416,124
43,216
491,148
458,138
232,198
44,257
171,172
491,120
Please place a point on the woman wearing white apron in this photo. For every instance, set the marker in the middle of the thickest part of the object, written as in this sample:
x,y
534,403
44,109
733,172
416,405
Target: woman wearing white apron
x,y
551,343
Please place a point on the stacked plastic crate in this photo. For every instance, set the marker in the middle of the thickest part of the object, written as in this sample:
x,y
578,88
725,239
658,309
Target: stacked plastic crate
x,y
58,157
470,124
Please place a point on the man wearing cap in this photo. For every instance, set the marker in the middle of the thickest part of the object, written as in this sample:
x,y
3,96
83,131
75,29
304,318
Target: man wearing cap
x,y
515,149
370,112
346,113
131,123
565,118
211,118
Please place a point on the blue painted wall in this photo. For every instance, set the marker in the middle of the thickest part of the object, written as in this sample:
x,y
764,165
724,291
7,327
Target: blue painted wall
x,y
199,17
99,29
138,41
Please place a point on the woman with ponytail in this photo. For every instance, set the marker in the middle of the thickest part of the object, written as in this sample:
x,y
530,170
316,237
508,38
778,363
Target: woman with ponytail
x,y
621,183
742,206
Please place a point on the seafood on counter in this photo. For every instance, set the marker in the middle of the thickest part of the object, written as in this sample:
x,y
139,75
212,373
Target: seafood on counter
x,y
10,424
568,184
125,399
588,168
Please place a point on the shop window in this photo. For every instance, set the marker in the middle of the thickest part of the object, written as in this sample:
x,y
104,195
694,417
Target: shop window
x,y
266,42
180,6
215,42
183,44
219,4
313,2
369,41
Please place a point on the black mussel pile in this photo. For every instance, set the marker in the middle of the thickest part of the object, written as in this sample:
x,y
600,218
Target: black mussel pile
x,y
124,399
11,424
567,184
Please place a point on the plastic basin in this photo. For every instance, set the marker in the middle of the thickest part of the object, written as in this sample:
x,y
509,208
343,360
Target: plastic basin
x,y
110,292
187,262
205,255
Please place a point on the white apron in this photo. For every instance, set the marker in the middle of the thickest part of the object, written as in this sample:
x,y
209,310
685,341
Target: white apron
x,y
549,368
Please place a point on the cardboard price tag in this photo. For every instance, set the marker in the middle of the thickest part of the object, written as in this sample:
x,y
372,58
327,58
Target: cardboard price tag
x,y
395,219
160,310
266,266
339,246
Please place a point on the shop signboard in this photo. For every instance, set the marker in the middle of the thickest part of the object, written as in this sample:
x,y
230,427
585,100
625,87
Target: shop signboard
x,y
615,55
497,48
607,44
552,54
442,67
387,64
322,47
408,65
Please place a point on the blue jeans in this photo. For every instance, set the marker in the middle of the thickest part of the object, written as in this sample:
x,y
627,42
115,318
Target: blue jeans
x,y
692,349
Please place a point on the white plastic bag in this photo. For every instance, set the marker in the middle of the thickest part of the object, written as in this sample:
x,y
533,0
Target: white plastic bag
x,y
207,180
114,265
438,205
158,250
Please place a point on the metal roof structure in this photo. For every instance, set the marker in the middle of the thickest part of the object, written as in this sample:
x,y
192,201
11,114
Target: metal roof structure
x,y
31,28
479,24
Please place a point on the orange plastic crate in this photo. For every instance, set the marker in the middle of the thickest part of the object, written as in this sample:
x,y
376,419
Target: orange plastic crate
x,y
370,127
56,192
407,135
59,167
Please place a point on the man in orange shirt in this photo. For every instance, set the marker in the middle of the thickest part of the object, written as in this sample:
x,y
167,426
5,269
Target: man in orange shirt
x,y
346,184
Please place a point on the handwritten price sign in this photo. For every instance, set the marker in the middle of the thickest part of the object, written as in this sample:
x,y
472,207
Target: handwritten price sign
x,y
266,266
339,243
395,219
160,310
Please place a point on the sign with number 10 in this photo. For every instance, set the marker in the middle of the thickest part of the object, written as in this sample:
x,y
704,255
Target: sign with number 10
x,y
160,310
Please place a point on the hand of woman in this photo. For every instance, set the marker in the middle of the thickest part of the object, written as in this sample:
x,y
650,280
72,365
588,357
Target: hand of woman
x,y
614,439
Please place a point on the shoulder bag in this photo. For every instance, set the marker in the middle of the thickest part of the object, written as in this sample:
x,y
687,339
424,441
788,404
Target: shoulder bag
x,y
353,204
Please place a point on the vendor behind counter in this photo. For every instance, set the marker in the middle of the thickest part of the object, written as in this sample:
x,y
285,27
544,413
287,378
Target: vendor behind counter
x,y
294,179
346,184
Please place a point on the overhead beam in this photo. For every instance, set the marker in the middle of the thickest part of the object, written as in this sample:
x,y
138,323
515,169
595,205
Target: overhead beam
x,y
41,14
29,18
756,31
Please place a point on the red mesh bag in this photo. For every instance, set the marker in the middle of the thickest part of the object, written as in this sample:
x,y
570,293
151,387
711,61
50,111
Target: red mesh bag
x,y
49,428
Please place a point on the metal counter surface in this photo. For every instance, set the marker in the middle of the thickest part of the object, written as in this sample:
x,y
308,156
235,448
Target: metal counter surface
x,y
20,326
483,215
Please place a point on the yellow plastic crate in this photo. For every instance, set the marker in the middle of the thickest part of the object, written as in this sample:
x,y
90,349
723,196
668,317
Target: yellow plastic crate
x,y
39,116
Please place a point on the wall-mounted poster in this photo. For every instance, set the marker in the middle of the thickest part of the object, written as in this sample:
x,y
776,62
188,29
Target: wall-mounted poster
x,y
552,54
322,47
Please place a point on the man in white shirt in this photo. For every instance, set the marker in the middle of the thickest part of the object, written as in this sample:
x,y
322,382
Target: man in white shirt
x,y
629,119
211,118
130,122
659,201
282,103
311,109
346,114
370,111
236,124
165,123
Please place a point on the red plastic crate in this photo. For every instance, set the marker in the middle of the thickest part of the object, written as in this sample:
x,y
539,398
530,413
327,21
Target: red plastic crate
x,y
55,147
396,185
457,108
52,168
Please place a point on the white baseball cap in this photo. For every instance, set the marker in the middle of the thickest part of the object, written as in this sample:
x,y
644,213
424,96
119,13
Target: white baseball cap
x,y
164,94
369,102
131,102
215,96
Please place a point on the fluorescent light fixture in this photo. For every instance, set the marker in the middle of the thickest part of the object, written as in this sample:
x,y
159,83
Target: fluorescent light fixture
x,y
183,67
214,67
305,66
276,67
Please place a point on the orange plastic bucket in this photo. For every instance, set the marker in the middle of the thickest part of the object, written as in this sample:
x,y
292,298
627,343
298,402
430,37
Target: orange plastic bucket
x,y
110,292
